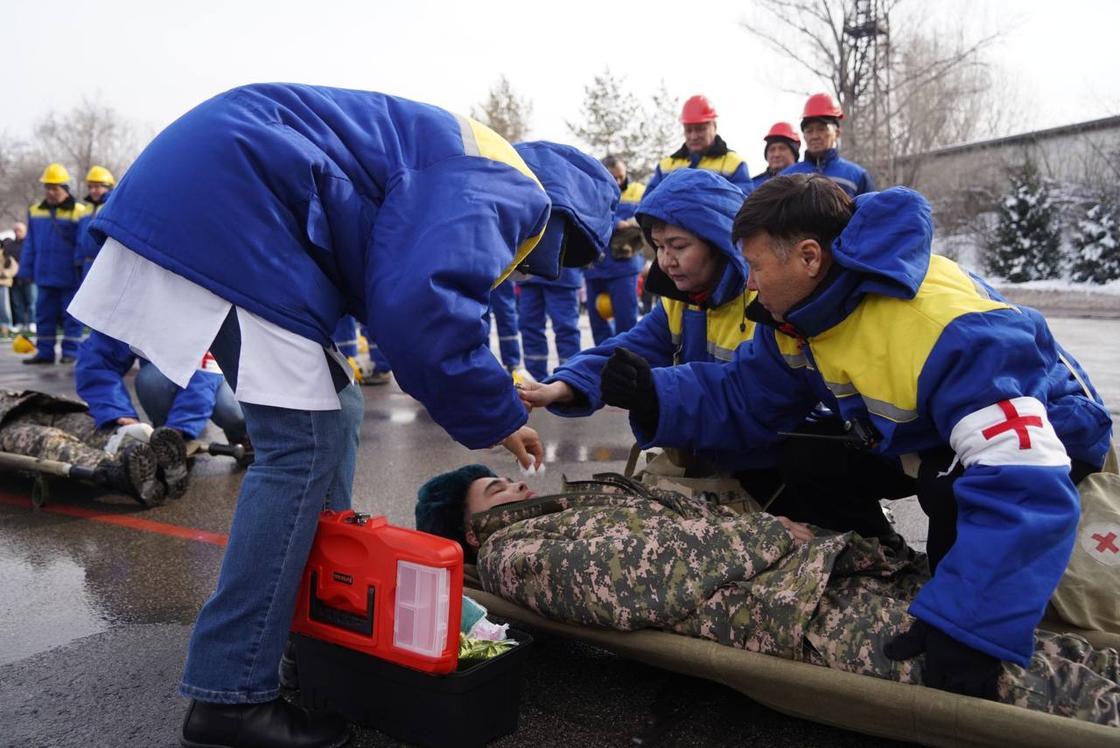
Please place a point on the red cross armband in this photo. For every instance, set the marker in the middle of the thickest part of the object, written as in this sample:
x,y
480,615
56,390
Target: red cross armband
x,y
1010,432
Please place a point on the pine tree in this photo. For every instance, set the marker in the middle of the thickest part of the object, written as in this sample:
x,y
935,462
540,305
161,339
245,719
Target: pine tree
x,y
505,111
1027,244
661,130
611,122
1096,243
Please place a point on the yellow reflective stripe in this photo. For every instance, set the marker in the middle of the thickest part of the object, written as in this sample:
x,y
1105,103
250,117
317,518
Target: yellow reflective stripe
x,y
890,412
479,140
842,389
796,360
718,352
884,366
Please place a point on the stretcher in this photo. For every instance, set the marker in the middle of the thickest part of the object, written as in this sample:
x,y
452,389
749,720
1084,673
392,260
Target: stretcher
x,y
40,468
853,702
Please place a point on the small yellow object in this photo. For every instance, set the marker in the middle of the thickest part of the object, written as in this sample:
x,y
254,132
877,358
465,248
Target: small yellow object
x,y
363,344
603,305
55,174
356,367
100,175
21,344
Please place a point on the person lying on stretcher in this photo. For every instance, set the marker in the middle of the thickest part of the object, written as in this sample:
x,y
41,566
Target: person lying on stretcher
x,y
613,553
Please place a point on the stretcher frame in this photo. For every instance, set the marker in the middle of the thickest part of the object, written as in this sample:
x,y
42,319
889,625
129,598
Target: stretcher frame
x,y
871,706
41,468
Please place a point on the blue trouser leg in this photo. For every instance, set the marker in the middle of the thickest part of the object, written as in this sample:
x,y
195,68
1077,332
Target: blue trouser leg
x,y
601,329
345,336
48,315
353,410
71,328
563,310
503,303
530,311
624,302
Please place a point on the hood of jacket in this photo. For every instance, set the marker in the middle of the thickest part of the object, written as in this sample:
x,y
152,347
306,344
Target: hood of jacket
x,y
584,197
704,203
885,249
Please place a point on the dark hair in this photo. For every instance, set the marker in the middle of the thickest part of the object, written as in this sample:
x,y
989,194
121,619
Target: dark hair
x,y
794,207
612,161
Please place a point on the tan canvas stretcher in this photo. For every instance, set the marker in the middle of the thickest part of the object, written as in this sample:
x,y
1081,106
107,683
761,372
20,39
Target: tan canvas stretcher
x,y
853,702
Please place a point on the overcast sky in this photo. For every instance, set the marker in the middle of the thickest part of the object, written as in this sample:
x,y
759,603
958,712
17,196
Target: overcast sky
x,y
154,60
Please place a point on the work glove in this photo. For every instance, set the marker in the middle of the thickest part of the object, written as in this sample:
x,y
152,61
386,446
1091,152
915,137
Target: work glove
x,y
627,382
950,665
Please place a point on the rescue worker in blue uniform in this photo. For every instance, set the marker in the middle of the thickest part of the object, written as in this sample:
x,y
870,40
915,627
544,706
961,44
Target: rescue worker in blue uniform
x,y
99,379
559,297
100,183
616,274
703,148
701,280
320,202
929,368
783,148
48,260
820,125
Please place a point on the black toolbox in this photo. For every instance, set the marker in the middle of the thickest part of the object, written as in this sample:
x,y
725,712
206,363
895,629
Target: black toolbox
x,y
468,707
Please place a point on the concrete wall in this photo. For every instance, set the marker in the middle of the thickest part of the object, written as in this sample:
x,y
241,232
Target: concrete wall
x,y
966,178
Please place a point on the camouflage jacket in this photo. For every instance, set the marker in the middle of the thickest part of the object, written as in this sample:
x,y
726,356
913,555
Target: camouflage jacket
x,y
613,553
15,403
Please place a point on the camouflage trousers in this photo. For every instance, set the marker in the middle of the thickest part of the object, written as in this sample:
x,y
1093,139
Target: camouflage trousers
x,y
65,437
1066,675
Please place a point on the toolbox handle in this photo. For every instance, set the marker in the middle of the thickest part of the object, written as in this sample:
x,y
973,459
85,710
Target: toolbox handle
x,y
324,613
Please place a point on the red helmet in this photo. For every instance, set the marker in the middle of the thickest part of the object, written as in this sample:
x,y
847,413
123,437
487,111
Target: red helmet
x,y
697,110
822,105
783,130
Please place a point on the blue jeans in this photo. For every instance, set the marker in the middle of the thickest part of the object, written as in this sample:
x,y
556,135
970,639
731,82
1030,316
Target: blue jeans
x,y
157,395
304,463
23,303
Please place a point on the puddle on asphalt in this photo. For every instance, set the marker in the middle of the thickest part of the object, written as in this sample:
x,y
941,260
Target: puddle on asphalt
x,y
52,593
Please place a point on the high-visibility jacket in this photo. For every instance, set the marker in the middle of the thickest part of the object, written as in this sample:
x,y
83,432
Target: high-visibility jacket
x,y
852,177
608,267
929,355
48,249
717,157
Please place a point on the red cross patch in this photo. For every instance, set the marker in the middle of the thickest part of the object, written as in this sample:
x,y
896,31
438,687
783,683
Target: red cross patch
x,y
1014,422
1101,541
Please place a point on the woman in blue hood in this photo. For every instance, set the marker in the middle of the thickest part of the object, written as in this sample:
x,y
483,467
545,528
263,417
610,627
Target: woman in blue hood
x,y
318,203
701,279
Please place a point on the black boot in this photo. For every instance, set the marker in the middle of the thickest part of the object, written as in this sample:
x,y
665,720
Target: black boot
x,y
273,724
171,455
134,472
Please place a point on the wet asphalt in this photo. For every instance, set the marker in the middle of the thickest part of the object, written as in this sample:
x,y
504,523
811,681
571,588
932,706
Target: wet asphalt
x,y
98,595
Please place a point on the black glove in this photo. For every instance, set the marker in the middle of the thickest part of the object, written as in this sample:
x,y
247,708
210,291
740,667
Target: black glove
x,y
949,665
627,382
